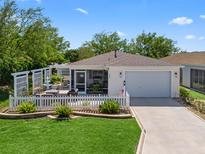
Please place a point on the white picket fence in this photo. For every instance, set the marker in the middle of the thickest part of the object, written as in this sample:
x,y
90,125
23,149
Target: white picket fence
x,y
44,103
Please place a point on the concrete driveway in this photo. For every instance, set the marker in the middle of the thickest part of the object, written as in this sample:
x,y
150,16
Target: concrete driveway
x,y
170,127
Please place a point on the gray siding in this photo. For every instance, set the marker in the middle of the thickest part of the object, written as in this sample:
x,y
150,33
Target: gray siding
x,y
186,76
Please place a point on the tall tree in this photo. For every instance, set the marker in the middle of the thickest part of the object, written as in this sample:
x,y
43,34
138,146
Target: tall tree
x,y
152,45
85,53
73,55
27,40
106,42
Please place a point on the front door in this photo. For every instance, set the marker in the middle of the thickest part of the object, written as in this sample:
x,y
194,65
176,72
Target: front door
x,y
80,81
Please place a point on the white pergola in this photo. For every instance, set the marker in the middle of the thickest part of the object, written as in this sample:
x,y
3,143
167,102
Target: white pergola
x,y
40,78
21,83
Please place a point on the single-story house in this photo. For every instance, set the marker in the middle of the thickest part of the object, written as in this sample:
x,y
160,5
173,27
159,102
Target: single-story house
x,y
115,72
193,70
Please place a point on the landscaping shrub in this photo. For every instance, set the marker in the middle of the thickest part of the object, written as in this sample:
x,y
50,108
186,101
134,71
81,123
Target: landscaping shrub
x,y
55,79
96,88
200,105
184,93
26,107
110,107
63,111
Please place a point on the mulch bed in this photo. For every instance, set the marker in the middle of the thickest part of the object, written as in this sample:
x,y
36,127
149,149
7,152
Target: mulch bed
x,y
81,112
191,108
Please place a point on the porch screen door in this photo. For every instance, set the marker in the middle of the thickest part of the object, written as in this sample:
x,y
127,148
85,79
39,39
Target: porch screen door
x,y
80,81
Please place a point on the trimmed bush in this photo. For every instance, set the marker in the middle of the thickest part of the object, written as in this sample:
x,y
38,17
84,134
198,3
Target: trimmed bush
x,y
184,93
26,107
110,107
63,111
55,79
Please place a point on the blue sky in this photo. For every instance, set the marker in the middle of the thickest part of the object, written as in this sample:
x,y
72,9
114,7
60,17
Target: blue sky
x,y
78,20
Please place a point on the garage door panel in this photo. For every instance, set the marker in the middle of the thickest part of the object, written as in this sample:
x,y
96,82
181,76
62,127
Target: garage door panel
x,y
148,84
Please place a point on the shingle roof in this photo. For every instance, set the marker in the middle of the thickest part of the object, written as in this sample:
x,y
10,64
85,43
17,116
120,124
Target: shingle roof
x,y
122,59
189,58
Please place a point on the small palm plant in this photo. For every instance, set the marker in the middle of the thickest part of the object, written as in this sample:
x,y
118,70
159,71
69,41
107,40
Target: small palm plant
x,y
63,111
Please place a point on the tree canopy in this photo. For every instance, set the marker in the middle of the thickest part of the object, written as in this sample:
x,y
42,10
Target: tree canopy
x,y
106,42
146,44
152,45
78,54
27,40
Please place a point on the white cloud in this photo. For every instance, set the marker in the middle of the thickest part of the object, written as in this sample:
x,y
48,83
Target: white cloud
x,y
190,37
181,21
121,34
82,10
202,16
201,38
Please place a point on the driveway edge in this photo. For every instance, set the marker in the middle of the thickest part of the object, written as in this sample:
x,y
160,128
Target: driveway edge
x,y
139,147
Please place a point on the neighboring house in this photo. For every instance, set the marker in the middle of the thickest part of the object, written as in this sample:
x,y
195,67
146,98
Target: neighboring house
x,y
114,73
193,70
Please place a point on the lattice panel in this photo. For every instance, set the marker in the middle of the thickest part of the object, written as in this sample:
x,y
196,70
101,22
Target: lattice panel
x,y
37,81
21,85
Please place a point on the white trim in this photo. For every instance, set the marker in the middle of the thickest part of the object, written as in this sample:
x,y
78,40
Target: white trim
x,y
88,67
37,70
192,65
145,68
20,73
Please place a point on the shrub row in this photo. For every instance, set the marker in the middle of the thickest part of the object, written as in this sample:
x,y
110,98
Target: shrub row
x,y
108,107
199,105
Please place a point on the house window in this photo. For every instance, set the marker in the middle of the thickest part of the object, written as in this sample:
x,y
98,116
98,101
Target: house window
x,y
198,79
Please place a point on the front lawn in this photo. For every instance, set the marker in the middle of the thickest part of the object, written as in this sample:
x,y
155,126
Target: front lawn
x,y
195,94
82,135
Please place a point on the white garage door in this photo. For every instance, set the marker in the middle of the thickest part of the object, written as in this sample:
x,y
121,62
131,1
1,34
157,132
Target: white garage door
x,y
148,83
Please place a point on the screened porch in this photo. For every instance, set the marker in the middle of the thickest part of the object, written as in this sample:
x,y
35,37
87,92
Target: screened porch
x,y
90,81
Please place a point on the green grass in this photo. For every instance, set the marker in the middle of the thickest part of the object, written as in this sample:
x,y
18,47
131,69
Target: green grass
x,y
4,103
4,98
196,95
78,136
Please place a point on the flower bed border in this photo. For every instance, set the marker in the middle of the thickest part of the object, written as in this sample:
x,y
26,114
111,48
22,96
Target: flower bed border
x,y
25,115
44,114
113,116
